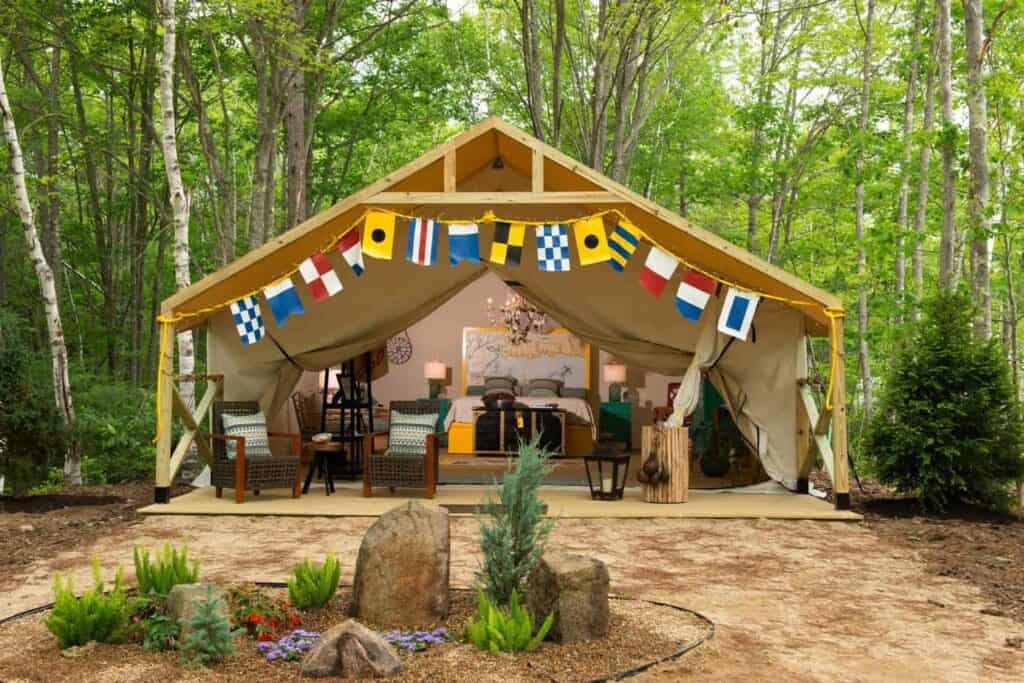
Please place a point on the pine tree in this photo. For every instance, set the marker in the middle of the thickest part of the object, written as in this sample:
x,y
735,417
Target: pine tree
x,y
208,636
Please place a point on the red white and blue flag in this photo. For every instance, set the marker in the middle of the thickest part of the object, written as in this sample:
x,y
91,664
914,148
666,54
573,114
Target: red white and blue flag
x,y
320,277
658,270
351,247
422,246
693,294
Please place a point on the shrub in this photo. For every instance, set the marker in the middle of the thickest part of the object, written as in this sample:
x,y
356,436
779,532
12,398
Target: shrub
x,y
261,616
94,616
312,584
494,630
948,425
208,633
513,532
114,426
169,568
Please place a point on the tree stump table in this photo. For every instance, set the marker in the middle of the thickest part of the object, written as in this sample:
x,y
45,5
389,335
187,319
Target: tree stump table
x,y
670,449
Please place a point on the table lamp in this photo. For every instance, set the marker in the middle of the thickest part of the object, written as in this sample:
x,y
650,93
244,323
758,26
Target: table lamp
x,y
615,375
435,372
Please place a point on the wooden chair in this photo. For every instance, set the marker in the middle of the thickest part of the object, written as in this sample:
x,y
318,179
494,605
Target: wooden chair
x,y
252,474
398,470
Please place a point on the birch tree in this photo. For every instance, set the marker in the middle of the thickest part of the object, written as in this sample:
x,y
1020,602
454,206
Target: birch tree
x,y
47,288
977,204
179,198
948,270
903,203
862,263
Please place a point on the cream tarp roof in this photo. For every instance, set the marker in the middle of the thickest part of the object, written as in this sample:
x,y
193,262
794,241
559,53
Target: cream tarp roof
x,y
757,377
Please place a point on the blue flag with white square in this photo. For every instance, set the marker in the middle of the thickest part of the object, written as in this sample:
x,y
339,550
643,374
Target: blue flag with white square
x,y
553,248
738,313
463,243
284,300
248,319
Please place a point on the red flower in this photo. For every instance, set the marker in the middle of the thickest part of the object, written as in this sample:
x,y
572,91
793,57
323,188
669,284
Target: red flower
x,y
296,621
264,637
256,619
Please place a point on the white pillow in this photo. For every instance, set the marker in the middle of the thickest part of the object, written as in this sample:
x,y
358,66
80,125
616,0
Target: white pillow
x,y
253,428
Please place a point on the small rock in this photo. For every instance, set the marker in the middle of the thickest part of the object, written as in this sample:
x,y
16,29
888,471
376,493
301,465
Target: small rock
x,y
77,650
1015,641
993,611
575,588
182,598
351,650
26,528
401,576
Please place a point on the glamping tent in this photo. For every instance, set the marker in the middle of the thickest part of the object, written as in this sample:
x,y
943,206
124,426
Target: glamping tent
x,y
495,172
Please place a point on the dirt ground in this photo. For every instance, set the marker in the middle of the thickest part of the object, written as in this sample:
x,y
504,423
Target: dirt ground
x,y
897,597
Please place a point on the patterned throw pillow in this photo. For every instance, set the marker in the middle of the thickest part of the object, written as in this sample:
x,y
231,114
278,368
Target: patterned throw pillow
x,y
544,386
253,428
407,434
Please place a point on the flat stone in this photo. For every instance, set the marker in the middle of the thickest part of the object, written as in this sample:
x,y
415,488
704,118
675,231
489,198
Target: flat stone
x,y
401,575
575,588
182,598
350,650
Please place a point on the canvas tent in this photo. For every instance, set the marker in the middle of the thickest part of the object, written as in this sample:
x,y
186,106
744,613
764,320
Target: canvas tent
x,y
496,168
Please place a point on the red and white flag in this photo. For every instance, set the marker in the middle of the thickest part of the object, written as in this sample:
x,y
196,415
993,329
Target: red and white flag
x,y
351,247
658,270
323,282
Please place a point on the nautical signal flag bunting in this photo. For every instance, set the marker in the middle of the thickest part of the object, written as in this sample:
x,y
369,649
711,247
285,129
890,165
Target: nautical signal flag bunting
x,y
658,270
622,244
284,300
422,245
352,250
320,277
553,248
248,319
507,247
693,294
379,234
463,243
591,241
738,313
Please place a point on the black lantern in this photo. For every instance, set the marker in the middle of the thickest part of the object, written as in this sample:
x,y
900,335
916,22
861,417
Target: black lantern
x,y
606,475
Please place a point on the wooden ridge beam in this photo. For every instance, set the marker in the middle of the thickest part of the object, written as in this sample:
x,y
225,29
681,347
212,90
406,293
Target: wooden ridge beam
x,y
534,198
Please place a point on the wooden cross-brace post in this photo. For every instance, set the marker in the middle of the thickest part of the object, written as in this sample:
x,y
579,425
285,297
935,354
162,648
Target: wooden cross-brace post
x,y
213,392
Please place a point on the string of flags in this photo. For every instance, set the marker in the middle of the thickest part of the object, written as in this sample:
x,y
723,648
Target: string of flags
x,y
376,238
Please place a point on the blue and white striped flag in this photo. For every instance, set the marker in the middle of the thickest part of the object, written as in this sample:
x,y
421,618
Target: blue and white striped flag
x,y
284,300
463,242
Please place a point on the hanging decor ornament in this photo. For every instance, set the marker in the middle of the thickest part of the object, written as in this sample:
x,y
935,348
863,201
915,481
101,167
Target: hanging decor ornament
x,y
519,317
400,348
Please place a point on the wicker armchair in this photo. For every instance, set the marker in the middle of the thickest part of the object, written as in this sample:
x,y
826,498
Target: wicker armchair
x,y
253,474
407,471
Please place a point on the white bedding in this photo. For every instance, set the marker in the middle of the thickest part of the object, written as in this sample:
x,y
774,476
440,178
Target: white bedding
x,y
578,411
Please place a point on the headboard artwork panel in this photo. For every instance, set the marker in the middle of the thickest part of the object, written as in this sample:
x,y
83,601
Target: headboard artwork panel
x,y
486,352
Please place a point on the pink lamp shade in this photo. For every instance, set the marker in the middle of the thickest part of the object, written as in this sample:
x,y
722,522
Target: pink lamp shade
x,y
614,373
435,369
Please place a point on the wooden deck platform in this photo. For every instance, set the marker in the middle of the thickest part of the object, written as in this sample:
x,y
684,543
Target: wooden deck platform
x,y
562,501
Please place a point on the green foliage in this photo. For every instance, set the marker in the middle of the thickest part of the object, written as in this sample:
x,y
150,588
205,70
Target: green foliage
x,y
312,584
260,615
169,568
115,429
514,531
208,633
948,427
496,630
152,626
93,616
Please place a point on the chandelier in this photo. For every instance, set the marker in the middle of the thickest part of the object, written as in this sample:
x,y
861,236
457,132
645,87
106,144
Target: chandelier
x,y
519,317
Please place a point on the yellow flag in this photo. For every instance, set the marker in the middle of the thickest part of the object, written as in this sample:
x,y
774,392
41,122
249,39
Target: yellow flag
x,y
591,241
379,234
507,247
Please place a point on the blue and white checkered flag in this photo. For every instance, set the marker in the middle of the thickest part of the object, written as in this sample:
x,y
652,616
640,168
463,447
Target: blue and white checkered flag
x,y
248,320
553,248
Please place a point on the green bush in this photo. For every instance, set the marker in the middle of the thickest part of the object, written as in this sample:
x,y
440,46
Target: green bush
x,y
152,626
514,531
948,425
94,616
208,633
115,428
169,568
494,630
312,584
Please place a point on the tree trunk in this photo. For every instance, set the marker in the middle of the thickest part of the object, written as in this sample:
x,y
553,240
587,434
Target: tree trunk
x,y
977,201
179,199
862,297
903,204
294,122
924,163
948,270
48,291
529,24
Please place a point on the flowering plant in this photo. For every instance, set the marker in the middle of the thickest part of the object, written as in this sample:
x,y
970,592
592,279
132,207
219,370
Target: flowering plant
x,y
261,616
415,641
290,648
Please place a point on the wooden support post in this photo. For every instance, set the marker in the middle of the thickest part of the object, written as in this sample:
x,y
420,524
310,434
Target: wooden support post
x,y
449,170
840,465
671,449
165,391
804,462
537,171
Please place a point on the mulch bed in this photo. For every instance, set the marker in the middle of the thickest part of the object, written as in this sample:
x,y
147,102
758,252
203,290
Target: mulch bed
x,y
970,543
640,632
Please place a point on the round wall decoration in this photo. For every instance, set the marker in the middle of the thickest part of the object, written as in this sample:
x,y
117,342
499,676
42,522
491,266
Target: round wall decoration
x,y
400,348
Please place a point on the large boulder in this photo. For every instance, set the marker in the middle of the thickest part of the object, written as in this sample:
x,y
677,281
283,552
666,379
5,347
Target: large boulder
x,y
350,650
401,576
181,601
575,588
